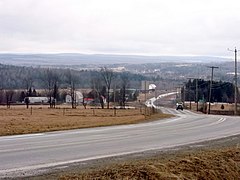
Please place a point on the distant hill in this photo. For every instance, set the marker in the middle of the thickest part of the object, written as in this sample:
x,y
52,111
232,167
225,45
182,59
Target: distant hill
x,y
100,59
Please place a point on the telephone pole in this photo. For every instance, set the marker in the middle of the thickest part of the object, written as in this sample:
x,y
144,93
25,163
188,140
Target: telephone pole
x,y
235,79
197,93
236,88
190,93
210,89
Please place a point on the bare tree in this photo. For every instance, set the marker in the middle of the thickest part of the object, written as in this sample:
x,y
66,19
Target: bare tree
x,y
97,86
51,80
1,87
84,103
124,84
107,75
26,101
71,80
1,95
9,95
28,83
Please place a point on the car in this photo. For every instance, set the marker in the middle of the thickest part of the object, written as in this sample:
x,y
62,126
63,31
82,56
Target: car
x,y
179,106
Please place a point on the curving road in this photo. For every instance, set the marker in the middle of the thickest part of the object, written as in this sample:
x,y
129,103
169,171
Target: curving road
x,y
28,153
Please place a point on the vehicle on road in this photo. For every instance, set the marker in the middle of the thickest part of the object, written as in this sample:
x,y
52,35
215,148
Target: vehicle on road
x,y
179,106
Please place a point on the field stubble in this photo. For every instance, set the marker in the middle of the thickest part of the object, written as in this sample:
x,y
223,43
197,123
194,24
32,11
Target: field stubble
x,y
19,120
210,164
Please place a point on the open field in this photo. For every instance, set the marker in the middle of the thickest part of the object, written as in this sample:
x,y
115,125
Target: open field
x,y
19,120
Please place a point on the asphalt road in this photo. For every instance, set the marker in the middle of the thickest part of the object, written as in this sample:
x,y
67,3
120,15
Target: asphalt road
x,y
26,154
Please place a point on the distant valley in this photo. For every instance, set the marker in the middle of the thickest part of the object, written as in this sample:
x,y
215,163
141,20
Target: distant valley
x,y
170,68
72,59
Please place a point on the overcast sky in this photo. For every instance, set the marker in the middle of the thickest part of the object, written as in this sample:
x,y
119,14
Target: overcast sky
x,y
149,27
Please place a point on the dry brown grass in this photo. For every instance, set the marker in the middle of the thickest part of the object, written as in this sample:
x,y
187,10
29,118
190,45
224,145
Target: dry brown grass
x,y
214,165
19,120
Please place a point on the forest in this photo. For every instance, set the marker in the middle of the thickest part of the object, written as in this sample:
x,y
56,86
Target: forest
x,y
221,91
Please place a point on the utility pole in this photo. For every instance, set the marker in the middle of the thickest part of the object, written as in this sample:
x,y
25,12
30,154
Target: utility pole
x,y
197,93
183,93
235,79
145,91
210,89
236,88
190,94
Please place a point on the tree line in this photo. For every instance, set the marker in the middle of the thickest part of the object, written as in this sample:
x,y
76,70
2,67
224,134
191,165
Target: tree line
x,y
221,91
17,83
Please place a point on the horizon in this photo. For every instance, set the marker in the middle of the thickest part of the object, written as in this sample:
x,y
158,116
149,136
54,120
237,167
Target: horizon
x,y
109,54
24,59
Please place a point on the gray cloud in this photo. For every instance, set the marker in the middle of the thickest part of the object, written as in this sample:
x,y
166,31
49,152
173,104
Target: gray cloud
x,y
151,27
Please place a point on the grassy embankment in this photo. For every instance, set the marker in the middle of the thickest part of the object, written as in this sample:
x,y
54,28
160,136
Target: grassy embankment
x,y
211,164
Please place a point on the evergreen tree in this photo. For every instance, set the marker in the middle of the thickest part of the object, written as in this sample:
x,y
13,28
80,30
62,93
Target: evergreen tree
x,y
22,96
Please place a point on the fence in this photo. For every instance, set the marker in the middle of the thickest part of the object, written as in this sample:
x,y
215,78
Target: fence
x,y
64,111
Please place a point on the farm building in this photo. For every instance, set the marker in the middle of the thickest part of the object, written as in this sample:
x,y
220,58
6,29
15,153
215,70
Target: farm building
x,y
78,95
38,99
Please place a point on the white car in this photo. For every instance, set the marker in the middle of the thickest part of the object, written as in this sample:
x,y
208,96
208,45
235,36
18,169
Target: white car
x,y
179,106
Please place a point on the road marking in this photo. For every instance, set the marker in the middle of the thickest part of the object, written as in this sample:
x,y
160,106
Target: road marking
x,y
22,136
219,121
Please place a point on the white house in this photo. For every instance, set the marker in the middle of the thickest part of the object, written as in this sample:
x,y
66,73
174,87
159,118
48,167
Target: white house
x,y
152,87
78,95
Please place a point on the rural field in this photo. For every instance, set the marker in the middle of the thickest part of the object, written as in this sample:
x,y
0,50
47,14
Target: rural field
x,y
19,120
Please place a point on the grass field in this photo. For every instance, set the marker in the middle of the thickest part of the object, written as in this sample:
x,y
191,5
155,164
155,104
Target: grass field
x,y
19,120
